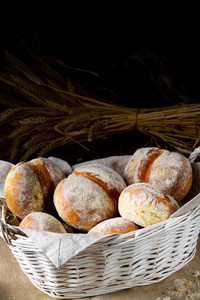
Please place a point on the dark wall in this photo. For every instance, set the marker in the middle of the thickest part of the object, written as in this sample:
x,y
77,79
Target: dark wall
x,y
125,44
146,55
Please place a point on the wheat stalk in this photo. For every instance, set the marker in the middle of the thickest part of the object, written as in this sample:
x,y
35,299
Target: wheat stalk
x,y
56,114
177,126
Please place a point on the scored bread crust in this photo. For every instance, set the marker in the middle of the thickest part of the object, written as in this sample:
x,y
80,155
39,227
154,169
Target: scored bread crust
x,y
104,176
82,203
140,163
49,175
88,196
171,172
29,187
23,192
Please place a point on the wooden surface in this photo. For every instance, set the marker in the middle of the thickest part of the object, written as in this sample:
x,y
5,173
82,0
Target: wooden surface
x,y
183,284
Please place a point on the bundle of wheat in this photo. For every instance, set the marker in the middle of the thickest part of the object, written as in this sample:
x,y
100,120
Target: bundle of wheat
x,y
45,111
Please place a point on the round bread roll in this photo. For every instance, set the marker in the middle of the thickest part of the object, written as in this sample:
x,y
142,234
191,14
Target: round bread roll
x,y
114,225
107,178
170,172
29,186
42,221
145,205
88,196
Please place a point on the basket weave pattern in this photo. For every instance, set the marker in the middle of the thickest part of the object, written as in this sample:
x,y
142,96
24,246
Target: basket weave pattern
x,y
114,263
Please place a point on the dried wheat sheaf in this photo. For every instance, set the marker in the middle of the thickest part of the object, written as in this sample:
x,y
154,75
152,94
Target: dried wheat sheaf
x,y
46,111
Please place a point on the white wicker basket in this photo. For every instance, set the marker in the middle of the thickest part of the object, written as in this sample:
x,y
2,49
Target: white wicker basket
x,y
113,263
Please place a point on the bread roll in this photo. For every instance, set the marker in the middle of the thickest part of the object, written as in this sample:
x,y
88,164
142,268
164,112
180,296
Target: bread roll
x,y
114,225
42,221
145,205
107,178
29,187
170,172
88,196
49,175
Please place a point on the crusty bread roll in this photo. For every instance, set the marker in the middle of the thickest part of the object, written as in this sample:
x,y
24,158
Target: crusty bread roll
x,y
42,221
88,196
145,205
107,178
170,172
29,186
113,225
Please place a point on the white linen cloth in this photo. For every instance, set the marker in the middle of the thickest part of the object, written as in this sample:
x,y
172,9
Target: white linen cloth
x,y
59,248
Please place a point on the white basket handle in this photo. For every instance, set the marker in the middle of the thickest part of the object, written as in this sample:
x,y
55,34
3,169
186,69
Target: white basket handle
x,y
3,223
194,155
4,233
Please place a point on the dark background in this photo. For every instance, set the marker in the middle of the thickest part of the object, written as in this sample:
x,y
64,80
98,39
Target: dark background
x,y
146,55
106,39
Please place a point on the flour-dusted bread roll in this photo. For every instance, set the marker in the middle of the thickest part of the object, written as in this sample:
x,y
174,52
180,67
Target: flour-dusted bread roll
x,y
49,175
145,205
107,178
114,225
170,172
29,186
42,221
88,196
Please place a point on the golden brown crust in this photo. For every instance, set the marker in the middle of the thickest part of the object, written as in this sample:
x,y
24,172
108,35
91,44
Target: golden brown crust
x,y
145,205
23,192
42,221
82,203
104,176
29,187
138,167
172,174
112,192
114,225
88,196
38,166
169,171
48,175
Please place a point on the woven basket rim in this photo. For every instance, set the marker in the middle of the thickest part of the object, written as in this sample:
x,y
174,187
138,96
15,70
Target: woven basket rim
x,y
7,217
68,281
139,233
